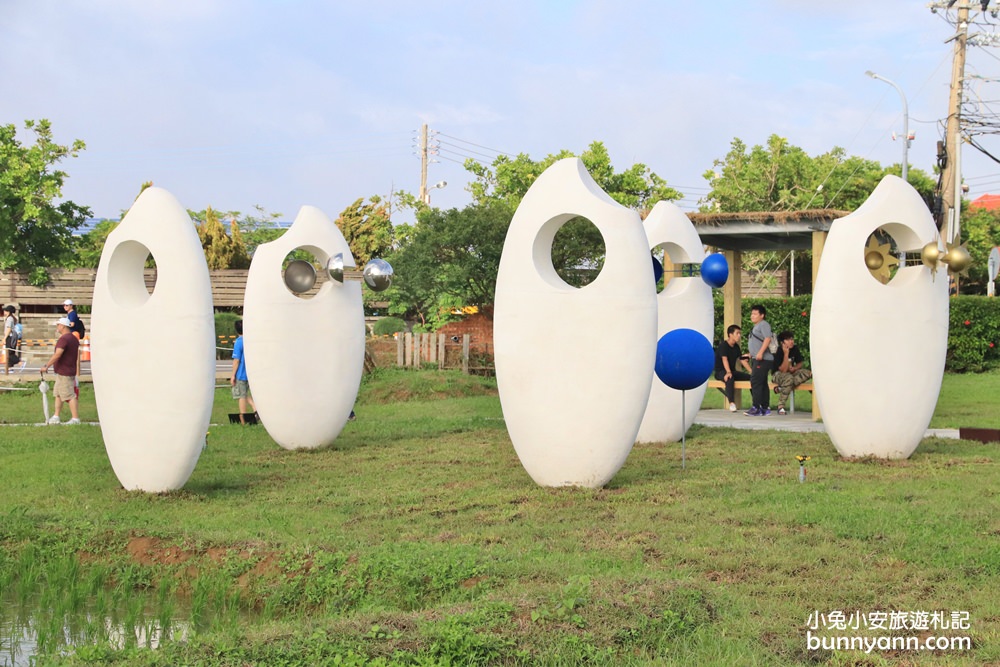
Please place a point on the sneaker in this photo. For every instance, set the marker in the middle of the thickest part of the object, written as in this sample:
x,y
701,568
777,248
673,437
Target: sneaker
x,y
54,419
766,412
781,411
351,417
752,412
732,407
74,420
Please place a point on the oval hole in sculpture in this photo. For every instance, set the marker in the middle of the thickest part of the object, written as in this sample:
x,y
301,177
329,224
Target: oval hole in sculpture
x,y
294,271
131,274
889,249
675,262
578,251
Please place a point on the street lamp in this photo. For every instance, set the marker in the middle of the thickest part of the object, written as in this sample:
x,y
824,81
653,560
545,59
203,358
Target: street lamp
x,y
436,186
906,121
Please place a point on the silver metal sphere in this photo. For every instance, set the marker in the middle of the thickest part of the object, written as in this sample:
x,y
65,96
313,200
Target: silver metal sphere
x,y
378,274
300,276
335,267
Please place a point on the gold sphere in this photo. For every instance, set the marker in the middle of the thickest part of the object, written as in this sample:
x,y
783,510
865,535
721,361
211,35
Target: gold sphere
x,y
958,259
930,254
874,260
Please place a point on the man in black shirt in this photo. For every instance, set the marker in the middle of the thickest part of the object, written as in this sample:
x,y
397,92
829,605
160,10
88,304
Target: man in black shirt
x,y
726,356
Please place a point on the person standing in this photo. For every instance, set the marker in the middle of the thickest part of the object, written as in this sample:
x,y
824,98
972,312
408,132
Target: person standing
x,y
726,357
77,330
238,380
760,360
76,326
11,339
64,363
788,371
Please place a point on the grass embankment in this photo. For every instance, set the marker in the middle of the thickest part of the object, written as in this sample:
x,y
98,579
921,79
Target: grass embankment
x,y
417,538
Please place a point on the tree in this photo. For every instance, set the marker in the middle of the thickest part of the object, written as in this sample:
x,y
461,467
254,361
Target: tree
x,y
783,177
367,229
509,179
222,250
38,231
980,234
578,248
448,259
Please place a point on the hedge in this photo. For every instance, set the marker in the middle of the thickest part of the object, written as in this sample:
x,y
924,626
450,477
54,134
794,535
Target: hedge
x,y
973,331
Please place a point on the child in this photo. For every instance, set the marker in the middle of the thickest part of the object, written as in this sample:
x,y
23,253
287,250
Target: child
x,y
241,388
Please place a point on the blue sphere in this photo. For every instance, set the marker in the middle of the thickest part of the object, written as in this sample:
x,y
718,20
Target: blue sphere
x,y
715,270
684,359
657,270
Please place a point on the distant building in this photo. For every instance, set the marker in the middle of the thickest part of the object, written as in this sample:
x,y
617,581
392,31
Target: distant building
x,y
989,202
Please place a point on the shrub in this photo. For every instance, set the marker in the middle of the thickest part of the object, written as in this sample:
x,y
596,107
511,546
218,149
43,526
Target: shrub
x,y
224,326
973,331
388,326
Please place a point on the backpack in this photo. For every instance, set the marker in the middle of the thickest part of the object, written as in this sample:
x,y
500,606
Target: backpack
x,y
18,331
772,346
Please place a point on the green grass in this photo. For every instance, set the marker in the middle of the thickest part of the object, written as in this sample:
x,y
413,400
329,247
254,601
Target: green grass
x,y
417,538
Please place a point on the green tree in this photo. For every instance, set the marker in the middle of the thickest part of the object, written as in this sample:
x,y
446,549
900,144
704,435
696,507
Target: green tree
x,y
222,250
783,177
447,259
367,228
508,179
578,248
38,231
980,232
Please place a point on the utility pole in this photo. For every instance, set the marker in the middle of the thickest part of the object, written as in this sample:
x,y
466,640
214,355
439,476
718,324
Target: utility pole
x,y
951,173
423,164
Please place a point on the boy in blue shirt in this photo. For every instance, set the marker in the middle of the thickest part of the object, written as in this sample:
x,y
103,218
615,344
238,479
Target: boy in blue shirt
x,y
241,388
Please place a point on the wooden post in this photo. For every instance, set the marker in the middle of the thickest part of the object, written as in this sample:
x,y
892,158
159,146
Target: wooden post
x,y
400,350
732,291
409,349
465,353
819,240
440,346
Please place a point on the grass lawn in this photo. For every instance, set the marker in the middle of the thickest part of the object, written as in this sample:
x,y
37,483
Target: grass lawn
x,y
418,539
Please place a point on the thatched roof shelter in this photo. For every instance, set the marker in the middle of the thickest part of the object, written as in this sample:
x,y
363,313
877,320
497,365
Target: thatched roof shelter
x,y
759,230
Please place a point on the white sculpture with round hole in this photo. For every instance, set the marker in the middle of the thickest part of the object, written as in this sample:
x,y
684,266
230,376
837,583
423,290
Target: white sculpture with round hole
x,y
153,358
684,303
304,355
573,364
878,350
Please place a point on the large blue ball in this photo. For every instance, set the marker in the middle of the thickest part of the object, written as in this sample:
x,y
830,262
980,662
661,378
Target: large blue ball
x,y
684,359
657,271
715,270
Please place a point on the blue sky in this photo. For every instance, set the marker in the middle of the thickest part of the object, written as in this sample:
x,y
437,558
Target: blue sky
x,y
282,103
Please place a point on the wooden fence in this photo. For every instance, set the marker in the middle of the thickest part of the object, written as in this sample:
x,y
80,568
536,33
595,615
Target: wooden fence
x,y
419,350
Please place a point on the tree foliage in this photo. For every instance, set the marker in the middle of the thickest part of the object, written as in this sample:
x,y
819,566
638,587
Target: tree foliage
x,y
448,259
222,250
783,177
367,228
980,231
37,231
508,179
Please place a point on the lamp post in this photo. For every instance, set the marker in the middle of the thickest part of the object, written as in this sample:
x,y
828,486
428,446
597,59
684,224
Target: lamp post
x,y
906,122
427,191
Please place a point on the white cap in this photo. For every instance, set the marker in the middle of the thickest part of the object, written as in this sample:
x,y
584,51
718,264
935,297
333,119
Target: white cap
x,y
64,321
68,302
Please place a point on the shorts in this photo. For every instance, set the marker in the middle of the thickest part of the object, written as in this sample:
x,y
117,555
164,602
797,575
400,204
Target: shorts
x,y
65,388
241,389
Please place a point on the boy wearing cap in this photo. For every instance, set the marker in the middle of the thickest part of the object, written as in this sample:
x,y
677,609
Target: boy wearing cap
x,y
64,362
76,325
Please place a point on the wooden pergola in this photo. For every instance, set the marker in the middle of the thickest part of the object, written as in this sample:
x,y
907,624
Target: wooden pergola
x,y
736,233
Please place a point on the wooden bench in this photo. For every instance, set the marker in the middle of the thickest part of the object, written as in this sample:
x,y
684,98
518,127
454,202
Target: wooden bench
x,y
745,384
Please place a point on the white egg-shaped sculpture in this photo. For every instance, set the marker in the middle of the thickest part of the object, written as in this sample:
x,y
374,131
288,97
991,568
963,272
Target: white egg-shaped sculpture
x,y
573,364
878,350
304,354
684,303
153,354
